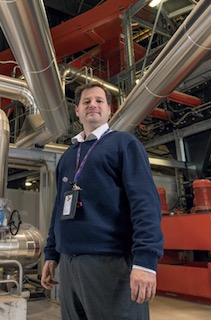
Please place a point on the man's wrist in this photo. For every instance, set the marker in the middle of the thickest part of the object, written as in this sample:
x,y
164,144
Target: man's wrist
x,y
144,269
52,261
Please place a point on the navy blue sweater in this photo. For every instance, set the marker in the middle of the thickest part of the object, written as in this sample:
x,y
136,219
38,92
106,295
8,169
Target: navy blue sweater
x,y
120,211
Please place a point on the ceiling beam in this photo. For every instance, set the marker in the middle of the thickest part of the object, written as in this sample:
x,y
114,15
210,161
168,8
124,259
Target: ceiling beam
x,y
150,26
185,132
138,6
181,11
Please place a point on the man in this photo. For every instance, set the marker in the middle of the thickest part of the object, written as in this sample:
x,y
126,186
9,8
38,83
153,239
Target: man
x,y
105,229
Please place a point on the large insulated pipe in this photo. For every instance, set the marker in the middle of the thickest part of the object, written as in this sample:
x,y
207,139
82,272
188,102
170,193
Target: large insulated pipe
x,y
183,53
17,89
25,26
26,247
4,150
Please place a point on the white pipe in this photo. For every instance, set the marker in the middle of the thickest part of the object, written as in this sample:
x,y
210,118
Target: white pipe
x,y
4,150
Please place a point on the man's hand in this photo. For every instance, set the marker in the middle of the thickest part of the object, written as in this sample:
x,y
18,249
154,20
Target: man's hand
x,y
143,285
48,273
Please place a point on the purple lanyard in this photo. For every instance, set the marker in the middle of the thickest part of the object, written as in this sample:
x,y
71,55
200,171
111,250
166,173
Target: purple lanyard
x,y
80,168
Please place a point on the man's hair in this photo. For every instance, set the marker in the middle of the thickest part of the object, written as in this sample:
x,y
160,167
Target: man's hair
x,y
80,89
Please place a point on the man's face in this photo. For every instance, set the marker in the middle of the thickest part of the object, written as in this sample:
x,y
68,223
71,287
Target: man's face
x,y
93,109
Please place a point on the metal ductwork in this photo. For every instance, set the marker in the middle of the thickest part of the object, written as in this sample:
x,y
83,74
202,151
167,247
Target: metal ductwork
x,y
33,130
4,149
183,53
16,89
25,26
82,76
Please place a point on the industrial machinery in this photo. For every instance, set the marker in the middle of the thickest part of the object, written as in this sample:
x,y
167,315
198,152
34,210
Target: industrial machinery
x,y
175,131
185,269
20,244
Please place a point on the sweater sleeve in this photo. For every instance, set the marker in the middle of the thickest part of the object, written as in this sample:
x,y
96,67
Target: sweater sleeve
x,y
50,248
145,206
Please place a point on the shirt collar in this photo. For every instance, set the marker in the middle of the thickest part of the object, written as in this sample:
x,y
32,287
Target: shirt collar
x,y
95,134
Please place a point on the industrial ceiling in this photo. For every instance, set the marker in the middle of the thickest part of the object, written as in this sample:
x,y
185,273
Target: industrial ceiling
x,y
118,41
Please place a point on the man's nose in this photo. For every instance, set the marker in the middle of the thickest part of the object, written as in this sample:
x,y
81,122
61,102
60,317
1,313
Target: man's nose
x,y
93,103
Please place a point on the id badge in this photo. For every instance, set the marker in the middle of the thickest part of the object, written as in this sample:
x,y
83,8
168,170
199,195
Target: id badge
x,y
70,204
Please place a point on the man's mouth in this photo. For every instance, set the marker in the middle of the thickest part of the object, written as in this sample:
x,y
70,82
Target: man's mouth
x,y
93,112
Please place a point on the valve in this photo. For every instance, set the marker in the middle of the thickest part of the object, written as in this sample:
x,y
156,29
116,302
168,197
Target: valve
x,y
9,221
14,222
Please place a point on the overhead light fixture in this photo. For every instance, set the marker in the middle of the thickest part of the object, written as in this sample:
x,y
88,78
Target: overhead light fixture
x,y
28,184
154,3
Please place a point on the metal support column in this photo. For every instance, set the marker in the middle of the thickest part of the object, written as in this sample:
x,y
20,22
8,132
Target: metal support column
x,y
151,38
129,50
180,153
179,144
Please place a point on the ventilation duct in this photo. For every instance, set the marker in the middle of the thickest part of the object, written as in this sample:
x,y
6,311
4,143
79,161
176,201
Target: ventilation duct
x,y
33,130
183,53
4,149
25,26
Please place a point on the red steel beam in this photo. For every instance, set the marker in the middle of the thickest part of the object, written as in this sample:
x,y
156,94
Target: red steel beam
x,y
72,35
185,99
95,26
160,114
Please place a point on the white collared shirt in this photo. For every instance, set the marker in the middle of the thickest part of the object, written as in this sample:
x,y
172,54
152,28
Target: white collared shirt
x,y
95,134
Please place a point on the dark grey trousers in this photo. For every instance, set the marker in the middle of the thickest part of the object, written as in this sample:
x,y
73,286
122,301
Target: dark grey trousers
x,y
97,287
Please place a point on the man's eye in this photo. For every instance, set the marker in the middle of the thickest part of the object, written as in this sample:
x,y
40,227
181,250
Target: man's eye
x,y
99,101
86,102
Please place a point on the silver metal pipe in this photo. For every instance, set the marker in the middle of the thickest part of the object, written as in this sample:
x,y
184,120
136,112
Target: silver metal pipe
x,y
16,89
25,26
183,53
14,282
82,77
11,262
4,150
26,247
40,136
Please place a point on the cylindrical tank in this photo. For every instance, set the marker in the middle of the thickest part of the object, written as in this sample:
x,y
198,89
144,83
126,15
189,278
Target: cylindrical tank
x,y
164,205
202,195
25,247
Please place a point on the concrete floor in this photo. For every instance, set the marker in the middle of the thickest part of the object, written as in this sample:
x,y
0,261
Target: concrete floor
x,y
161,308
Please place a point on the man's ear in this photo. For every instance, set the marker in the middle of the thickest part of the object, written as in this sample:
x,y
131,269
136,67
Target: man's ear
x,y
76,110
